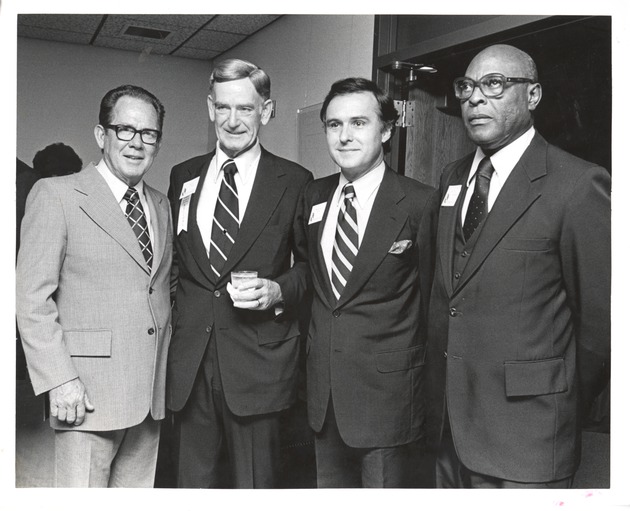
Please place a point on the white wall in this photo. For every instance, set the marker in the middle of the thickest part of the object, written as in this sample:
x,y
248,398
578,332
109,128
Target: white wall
x,y
304,55
60,86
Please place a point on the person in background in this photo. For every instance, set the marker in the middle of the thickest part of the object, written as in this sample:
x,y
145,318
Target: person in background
x,y
519,328
233,362
57,160
370,252
93,300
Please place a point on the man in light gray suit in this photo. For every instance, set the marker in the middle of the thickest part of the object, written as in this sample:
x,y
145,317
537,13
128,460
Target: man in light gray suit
x,y
93,301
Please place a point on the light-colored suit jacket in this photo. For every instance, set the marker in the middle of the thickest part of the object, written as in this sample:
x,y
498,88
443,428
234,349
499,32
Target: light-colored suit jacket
x,y
87,305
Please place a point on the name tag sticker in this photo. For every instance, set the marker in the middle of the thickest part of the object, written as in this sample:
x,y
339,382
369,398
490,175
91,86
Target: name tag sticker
x,y
182,221
451,195
189,188
317,213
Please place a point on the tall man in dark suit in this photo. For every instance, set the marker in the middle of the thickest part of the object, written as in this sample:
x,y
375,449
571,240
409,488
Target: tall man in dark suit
x,y
369,244
234,356
519,327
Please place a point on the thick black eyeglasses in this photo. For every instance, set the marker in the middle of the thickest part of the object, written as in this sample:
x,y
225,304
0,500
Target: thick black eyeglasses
x,y
491,85
126,133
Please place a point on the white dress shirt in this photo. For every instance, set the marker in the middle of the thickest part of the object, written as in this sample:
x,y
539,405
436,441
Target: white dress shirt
x,y
365,189
247,165
119,188
503,162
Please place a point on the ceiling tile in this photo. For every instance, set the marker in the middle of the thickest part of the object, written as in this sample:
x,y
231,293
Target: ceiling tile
x,y
49,34
85,23
219,41
114,27
240,23
181,20
141,46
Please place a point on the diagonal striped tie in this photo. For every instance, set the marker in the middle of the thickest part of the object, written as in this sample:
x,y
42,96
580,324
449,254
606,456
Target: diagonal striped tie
x,y
346,244
225,222
138,221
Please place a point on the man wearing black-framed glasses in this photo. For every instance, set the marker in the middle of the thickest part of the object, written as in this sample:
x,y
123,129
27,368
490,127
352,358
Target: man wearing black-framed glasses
x,y
93,302
519,328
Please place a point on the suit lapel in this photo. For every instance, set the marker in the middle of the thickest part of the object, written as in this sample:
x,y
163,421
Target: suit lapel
x,y
192,238
384,224
98,202
448,223
522,188
159,224
267,190
321,278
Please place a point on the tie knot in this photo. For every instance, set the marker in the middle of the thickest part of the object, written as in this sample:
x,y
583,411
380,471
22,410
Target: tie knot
x,y
348,191
131,195
229,168
485,168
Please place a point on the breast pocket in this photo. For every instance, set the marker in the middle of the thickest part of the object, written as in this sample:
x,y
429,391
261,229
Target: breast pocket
x,y
525,244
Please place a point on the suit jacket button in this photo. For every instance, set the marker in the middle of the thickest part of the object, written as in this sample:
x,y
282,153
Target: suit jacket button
x,y
217,293
336,313
453,311
150,290
457,275
445,354
208,329
151,331
464,253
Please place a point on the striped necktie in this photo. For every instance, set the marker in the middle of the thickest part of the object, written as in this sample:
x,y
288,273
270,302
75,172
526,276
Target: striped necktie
x,y
478,206
225,223
346,244
138,221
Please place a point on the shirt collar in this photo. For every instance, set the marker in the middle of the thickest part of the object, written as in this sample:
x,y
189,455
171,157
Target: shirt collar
x,y
118,187
365,186
504,160
244,162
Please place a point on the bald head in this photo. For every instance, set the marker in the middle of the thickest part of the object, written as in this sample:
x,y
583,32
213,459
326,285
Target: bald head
x,y
494,122
509,56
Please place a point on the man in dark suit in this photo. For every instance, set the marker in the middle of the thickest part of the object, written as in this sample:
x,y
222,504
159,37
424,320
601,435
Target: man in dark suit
x,y
233,361
368,232
519,329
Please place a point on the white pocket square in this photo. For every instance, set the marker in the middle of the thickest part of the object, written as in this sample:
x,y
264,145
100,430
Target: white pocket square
x,y
399,247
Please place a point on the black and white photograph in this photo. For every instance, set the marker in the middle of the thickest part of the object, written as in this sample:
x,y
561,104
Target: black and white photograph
x,y
317,251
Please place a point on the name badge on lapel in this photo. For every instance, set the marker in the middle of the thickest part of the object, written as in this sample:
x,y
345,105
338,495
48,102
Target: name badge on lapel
x,y
451,195
187,190
317,213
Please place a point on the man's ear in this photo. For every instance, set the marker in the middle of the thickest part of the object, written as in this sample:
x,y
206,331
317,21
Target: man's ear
x,y
266,112
211,107
534,95
386,132
99,135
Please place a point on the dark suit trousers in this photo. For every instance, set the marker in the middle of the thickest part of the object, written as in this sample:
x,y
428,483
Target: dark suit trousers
x,y
341,466
207,428
451,473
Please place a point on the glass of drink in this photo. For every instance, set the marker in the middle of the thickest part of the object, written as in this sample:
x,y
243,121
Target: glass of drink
x,y
239,277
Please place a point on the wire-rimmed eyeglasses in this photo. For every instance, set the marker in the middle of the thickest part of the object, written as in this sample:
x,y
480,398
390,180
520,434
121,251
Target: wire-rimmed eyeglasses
x,y
126,133
491,85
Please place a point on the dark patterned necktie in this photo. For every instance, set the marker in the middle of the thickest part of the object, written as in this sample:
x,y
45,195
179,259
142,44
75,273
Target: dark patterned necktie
x,y
478,206
225,223
346,244
138,221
